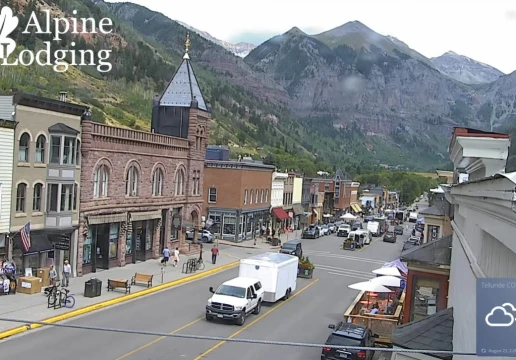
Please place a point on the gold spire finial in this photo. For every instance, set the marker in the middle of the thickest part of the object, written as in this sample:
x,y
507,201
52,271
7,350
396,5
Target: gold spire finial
x,y
187,43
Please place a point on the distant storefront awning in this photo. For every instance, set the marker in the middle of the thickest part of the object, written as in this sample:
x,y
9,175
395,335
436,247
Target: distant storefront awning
x,y
298,209
356,208
148,215
280,213
107,219
39,243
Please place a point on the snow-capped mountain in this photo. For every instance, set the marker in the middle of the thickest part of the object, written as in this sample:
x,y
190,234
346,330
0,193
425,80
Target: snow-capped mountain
x,y
241,49
464,69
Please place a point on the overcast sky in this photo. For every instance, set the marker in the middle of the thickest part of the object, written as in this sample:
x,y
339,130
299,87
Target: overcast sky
x,y
483,30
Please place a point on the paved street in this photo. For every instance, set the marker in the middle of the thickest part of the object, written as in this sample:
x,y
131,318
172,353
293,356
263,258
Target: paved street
x,y
303,318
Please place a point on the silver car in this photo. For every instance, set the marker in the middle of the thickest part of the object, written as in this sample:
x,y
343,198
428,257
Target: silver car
x,y
204,236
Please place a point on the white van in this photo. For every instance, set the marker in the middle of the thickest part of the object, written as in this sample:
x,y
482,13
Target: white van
x,y
374,228
361,237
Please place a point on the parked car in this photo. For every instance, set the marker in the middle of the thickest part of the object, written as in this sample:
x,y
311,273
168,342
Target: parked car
x,y
368,218
204,236
411,242
347,334
311,232
357,225
292,247
332,227
325,230
390,236
398,230
344,230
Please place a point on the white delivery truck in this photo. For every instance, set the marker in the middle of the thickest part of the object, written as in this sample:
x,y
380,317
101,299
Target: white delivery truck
x,y
374,228
412,217
277,272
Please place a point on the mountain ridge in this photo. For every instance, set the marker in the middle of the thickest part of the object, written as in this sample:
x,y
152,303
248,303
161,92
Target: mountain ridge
x,y
466,69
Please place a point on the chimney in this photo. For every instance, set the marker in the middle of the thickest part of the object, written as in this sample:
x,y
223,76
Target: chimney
x,y
62,96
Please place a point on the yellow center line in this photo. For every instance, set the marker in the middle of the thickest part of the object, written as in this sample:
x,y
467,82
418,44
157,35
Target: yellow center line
x,y
159,339
219,344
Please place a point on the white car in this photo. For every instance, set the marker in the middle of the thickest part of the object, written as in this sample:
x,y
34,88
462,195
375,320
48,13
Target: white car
x,y
325,230
235,300
332,227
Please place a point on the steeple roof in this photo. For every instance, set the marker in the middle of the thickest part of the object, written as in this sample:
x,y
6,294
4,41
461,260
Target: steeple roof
x,y
183,89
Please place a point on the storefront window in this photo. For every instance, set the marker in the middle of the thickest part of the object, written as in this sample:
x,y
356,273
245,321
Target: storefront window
x,y
149,230
86,247
249,225
215,228
229,225
129,244
113,240
426,297
242,225
175,223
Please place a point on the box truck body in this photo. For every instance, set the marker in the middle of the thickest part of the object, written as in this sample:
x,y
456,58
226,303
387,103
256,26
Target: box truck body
x,y
277,273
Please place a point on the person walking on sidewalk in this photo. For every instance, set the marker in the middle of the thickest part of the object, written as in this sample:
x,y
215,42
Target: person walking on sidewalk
x,y
166,256
67,271
52,274
214,254
176,257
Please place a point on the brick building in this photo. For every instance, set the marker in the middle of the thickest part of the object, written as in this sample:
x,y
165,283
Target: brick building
x,y
238,197
141,190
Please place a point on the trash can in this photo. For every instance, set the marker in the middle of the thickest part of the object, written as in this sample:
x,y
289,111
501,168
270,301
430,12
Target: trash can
x,y
92,288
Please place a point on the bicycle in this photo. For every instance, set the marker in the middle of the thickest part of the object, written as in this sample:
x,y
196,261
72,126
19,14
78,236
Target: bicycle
x,y
199,264
52,293
67,299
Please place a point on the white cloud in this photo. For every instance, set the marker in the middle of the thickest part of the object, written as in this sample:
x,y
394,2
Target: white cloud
x,y
510,317
510,307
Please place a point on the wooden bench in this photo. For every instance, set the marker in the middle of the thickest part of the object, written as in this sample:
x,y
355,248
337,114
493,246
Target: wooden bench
x,y
142,279
119,284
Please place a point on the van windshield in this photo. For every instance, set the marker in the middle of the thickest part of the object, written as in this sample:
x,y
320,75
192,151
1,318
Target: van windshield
x,y
289,246
228,290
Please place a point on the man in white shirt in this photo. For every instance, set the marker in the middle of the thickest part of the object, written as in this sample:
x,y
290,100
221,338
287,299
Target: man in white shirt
x,y
67,271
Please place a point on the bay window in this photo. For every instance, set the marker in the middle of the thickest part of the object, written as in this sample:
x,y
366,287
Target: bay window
x,y
64,150
62,197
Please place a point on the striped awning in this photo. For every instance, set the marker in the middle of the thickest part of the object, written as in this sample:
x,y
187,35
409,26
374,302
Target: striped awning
x,y
107,219
356,208
148,215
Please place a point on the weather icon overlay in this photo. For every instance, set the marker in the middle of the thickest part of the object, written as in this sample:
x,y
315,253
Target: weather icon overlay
x,y
496,317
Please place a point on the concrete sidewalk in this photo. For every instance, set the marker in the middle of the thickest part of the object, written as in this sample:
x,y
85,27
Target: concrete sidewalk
x,y
34,307
260,242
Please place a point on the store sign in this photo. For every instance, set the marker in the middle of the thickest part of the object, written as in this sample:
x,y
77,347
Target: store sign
x,y
434,233
60,242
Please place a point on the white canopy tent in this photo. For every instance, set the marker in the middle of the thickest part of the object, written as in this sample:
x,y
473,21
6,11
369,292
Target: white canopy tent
x,y
387,280
370,286
388,271
348,216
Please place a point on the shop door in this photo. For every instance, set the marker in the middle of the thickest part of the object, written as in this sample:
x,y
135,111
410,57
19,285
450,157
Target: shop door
x,y
102,246
139,240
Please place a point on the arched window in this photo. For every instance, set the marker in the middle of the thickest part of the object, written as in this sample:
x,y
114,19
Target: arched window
x,y
40,149
157,182
23,148
251,198
37,197
245,197
262,196
21,197
267,195
180,182
257,196
131,181
101,181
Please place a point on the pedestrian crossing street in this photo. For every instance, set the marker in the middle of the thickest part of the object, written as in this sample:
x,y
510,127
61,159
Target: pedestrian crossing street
x,y
337,271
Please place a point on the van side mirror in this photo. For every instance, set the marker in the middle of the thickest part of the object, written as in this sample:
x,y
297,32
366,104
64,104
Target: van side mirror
x,y
331,326
211,290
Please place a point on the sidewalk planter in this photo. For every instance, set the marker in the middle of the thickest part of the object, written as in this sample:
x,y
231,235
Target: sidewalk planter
x,y
305,269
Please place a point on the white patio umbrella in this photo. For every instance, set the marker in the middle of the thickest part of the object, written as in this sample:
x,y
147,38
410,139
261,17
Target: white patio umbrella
x,y
387,280
348,216
388,271
370,286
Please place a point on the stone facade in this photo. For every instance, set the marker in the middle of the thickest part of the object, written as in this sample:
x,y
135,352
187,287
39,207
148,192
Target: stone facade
x,y
117,150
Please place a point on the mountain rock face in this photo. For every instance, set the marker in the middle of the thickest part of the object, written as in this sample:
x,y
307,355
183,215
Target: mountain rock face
x,y
465,70
241,49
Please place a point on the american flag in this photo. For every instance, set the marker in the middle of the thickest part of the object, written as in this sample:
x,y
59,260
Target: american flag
x,y
25,236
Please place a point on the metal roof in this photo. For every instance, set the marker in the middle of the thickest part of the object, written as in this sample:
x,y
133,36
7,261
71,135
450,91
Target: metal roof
x,y
435,253
183,89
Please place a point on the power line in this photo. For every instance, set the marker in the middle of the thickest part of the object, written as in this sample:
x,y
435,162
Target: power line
x,y
234,340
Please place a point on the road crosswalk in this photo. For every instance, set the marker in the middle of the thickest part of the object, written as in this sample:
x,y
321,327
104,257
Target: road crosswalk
x,y
332,270
342,256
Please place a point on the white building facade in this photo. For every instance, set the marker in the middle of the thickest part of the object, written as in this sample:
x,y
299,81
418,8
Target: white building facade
x,y
484,223
6,176
278,188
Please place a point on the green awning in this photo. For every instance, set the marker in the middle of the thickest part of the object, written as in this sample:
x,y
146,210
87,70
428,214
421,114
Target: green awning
x,y
298,209
148,215
107,219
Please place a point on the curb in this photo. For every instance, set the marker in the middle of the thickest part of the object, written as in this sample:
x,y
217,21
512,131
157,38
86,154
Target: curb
x,y
121,299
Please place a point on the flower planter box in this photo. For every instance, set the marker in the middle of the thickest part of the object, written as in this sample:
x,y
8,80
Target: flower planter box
x,y
305,273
